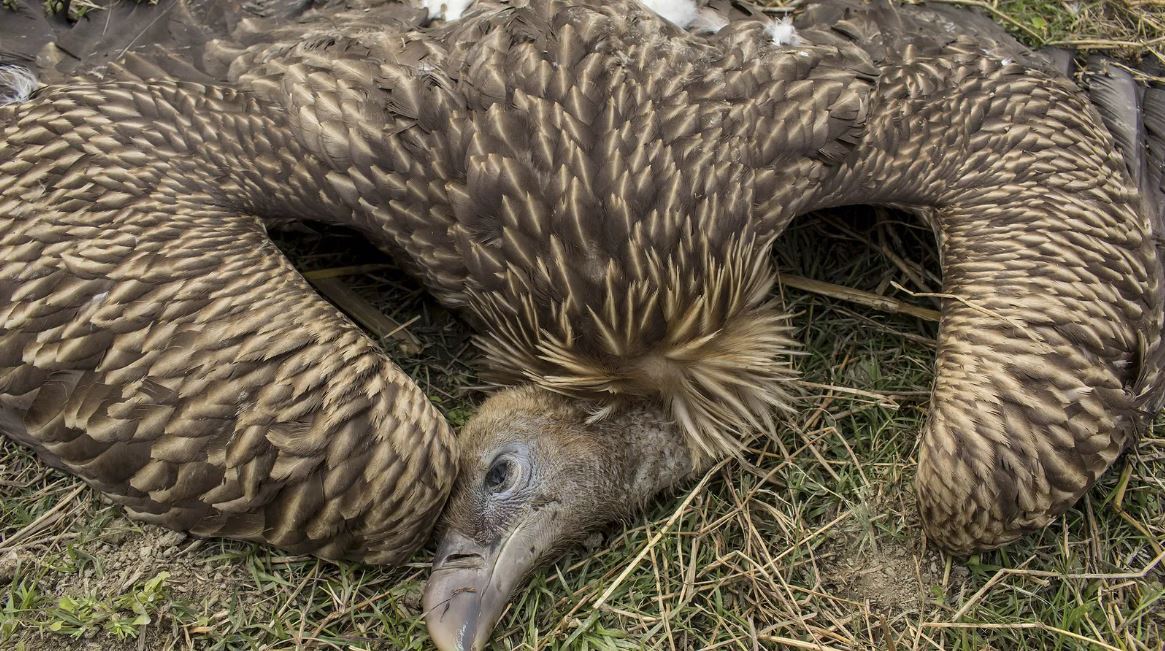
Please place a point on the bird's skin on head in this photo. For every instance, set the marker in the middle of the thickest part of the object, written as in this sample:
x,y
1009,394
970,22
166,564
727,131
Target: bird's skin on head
x,y
538,474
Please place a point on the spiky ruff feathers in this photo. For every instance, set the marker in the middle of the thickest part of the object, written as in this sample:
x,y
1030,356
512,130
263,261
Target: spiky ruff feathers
x,y
594,217
550,169
709,346
554,159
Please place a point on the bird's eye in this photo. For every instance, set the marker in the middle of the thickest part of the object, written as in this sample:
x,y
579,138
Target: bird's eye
x,y
498,478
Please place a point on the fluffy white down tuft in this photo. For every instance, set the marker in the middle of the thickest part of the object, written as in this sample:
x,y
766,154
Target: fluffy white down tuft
x,y
680,12
16,84
448,10
709,21
783,32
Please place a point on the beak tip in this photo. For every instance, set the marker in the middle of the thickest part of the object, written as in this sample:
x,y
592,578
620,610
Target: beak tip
x,y
445,639
451,618
468,590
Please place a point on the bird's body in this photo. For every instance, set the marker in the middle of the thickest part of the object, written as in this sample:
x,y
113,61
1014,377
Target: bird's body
x,y
597,191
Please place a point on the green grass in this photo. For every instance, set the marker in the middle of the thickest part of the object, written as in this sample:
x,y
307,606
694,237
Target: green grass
x,y
812,541
1125,28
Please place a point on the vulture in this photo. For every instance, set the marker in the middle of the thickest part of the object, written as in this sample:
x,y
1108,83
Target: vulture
x,y
595,185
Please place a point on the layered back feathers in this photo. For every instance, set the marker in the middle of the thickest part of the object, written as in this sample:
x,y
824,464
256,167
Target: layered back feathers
x,y
597,190
579,183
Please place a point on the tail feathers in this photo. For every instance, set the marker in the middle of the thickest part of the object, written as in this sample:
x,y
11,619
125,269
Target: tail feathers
x,y
1135,116
1117,96
153,62
1060,60
1153,114
24,29
168,37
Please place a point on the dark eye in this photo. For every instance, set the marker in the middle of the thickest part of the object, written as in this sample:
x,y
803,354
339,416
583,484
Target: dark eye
x,y
498,477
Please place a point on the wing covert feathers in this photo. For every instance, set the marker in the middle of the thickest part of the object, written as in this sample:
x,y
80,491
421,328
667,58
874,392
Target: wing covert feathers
x,y
156,343
592,214
597,190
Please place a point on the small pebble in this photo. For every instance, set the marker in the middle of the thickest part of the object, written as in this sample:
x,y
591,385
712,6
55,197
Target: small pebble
x,y
171,539
411,599
8,565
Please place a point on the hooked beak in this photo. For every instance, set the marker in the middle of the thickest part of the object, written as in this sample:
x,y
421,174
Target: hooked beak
x,y
470,586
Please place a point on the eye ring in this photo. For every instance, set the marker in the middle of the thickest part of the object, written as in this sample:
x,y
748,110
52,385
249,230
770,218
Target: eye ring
x,y
501,475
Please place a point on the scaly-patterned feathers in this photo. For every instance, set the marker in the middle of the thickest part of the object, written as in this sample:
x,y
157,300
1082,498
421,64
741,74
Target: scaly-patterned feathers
x,y
159,346
596,190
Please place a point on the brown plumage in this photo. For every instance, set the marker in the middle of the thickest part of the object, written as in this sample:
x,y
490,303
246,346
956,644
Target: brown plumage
x,y
597,191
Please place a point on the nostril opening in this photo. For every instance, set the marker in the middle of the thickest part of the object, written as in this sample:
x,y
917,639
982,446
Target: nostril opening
x,y
453,558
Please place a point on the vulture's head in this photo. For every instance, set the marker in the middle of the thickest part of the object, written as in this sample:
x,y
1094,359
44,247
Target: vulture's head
x,y
538,472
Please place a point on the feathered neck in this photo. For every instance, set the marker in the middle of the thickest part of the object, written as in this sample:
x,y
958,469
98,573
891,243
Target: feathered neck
x,y
652,454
